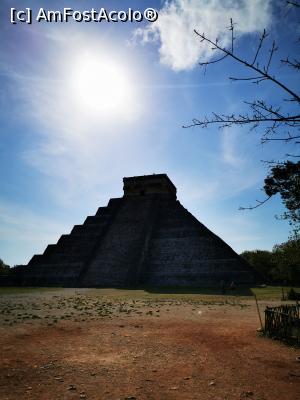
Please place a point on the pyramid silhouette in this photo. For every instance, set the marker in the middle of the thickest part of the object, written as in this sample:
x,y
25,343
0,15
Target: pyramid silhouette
x,y
145,238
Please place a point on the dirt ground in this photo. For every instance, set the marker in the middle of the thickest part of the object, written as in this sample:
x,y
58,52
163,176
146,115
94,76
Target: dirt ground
x,y
91,344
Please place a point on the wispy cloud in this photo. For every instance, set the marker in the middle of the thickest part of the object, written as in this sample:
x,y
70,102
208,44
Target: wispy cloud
x,y
240,231
231,147
243,230
179,47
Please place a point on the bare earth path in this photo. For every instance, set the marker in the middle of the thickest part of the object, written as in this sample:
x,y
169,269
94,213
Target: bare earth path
x,y
87,345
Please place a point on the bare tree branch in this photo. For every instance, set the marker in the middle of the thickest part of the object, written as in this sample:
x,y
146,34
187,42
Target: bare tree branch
x,y
259,204
245,79
287,139
263,73
272,51
240,120
294,64
262,38
293,3
213,62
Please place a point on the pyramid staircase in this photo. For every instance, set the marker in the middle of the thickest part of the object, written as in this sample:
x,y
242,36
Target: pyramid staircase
x,y
62,263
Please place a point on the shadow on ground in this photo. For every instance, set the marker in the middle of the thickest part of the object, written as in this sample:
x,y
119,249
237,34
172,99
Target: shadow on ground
x,y
238,291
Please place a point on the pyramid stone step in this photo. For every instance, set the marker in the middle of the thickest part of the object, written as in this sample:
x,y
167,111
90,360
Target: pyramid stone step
x,y
50,249
102,211
114,203
95,219
53,274
36,259
88,229
66,258
76,243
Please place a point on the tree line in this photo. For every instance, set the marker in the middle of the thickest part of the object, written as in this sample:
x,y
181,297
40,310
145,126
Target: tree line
x,y
281,265
4,268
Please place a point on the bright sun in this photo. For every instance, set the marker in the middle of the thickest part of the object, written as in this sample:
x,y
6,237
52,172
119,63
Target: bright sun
x,y
101,86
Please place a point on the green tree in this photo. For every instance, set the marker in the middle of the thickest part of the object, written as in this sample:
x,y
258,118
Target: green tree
x,y
4,268
282,264
284,179
261,260
286,259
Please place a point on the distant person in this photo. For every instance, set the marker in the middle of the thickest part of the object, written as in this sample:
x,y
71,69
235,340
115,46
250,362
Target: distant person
x,y
232,286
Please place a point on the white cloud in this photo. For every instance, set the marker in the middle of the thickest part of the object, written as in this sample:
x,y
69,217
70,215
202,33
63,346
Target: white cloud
x,y
174,29
231,148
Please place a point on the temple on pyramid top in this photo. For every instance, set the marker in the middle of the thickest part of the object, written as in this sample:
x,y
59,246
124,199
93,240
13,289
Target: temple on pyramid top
x,y
149,184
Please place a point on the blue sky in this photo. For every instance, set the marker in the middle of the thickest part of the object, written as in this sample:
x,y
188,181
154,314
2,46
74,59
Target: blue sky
x,y
67,140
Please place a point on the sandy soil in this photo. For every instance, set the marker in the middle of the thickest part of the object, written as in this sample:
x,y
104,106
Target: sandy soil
x,y
89,345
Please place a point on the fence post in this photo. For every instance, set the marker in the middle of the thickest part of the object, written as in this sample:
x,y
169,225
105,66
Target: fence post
x,y
261,325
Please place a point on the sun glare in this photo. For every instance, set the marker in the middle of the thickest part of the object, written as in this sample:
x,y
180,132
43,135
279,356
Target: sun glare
x,y
101,86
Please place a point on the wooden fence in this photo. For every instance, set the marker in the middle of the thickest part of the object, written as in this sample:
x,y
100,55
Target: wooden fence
x,y
283,322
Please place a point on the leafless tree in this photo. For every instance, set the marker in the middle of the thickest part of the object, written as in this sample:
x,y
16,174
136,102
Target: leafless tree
x,y
260,112
278,122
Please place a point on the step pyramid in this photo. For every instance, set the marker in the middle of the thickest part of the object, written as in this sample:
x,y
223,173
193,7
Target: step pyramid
x,y
145,238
